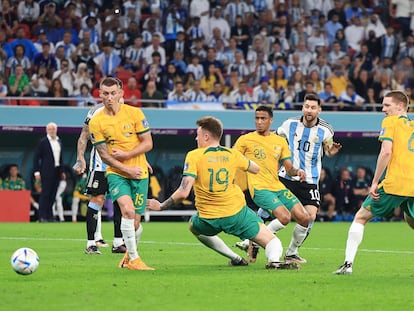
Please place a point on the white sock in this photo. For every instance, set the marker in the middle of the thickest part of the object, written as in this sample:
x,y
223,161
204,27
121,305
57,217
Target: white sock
x,y
245,243
90,243
138,233
355,234
75,207
275,225
128,234
273,250
298,235
98,232
117,242
217,244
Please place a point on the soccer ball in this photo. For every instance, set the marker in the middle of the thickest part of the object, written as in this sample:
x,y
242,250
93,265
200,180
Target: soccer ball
x,y
24,261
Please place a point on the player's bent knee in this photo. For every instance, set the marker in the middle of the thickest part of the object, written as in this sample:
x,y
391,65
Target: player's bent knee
x,y
99,199
283,216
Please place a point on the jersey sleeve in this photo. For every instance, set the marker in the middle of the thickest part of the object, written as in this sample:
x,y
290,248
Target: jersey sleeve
x,y
96,136
243,163
240,145
387,129
285,153
190,165
142,125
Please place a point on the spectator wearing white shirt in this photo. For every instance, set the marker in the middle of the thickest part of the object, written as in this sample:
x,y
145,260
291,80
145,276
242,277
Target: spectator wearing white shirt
x,y
240,66
217,21
349,100
355,34
264,94
178,93
66,76
305,56
201,8
69,47
262,69
233,9
217,95
134,55
195,94
336,54
324,71
240,96
155,46
196,68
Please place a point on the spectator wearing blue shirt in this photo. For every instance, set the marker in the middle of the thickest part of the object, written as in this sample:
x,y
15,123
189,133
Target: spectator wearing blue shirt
x,y
327,96
352,11
68,26
331,27
179,62
30,49
45,59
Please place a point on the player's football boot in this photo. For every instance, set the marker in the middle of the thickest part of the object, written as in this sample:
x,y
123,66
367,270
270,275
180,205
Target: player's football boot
x,y
346,268
124,261
243,245
119,249
93,249
238,262
296,258
137,264
101,243
283,265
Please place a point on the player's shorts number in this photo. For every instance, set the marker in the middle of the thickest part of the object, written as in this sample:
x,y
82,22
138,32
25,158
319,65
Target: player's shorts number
x,y
314,193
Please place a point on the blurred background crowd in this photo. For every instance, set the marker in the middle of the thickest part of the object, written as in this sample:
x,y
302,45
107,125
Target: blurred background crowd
x,y
236,53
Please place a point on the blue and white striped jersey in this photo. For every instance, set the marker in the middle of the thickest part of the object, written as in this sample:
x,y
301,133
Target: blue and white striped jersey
x,y
306,146
95,161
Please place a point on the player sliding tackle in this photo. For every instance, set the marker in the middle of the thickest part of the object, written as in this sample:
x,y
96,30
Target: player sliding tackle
x,y
220,204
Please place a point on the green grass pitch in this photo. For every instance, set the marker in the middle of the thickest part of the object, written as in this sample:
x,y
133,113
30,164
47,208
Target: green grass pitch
x,y
189,276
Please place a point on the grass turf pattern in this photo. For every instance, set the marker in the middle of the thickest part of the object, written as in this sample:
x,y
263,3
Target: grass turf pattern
x,y
190,276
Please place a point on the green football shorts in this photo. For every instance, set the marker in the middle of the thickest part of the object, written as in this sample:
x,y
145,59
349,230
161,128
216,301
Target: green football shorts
x,y
387,203
271,200
137,189
245,224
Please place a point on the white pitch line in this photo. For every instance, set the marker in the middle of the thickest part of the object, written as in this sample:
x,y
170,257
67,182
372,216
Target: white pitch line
x,y
199,244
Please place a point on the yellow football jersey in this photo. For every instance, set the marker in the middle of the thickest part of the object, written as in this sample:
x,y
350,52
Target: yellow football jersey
x,y
121,132
399,179
214,168
266,151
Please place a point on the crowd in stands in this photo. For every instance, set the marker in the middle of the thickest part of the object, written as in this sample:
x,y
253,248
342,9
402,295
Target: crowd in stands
x,y
237,53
